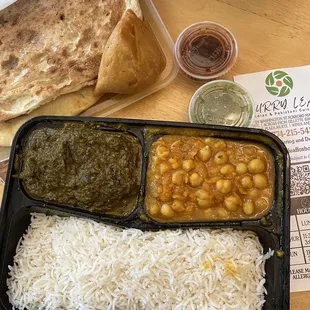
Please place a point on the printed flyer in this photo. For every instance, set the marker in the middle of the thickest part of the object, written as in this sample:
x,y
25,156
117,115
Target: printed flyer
x,y
282,106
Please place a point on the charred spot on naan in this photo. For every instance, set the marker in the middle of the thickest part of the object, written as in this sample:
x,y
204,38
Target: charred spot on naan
x,y
27,35
11,63
86,37
77,66
53,69
3,21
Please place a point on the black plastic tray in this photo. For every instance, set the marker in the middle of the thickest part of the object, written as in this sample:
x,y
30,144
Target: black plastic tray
x,y
273,229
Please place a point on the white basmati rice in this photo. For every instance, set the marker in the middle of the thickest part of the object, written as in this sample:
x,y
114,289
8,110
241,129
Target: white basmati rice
x,y
70,263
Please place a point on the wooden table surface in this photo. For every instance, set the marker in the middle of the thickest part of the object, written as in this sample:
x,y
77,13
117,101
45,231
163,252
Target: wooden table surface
x,y
270,34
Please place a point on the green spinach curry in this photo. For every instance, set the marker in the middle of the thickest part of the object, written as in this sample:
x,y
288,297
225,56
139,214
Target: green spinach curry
x,y
82,166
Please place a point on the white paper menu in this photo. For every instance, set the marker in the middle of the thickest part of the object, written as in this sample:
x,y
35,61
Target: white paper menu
x,y
282,106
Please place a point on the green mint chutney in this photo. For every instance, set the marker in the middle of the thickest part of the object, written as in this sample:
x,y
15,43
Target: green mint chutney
x,y
221,103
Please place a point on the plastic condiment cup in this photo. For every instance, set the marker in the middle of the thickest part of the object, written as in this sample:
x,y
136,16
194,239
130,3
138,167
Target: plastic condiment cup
x,y
221,103
205,51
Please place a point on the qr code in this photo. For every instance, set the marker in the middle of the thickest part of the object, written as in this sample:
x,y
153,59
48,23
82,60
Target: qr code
x,y
300,179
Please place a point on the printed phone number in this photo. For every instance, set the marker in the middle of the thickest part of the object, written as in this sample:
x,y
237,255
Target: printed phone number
x,y
292,132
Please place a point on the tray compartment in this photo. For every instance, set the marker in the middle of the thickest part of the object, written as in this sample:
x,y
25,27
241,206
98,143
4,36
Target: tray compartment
x,y
261,138
101,128
21,220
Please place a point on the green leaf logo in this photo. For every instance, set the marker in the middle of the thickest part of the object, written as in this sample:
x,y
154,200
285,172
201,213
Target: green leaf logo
x,y
279,83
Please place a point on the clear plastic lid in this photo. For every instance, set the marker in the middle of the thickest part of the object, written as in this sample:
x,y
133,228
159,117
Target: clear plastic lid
x,y
205,51
221,103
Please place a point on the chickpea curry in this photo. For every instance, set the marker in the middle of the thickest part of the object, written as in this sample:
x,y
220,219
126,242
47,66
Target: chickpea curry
x,y
208,179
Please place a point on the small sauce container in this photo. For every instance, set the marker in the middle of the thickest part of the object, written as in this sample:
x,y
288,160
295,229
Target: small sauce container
x,y
205,51
221,103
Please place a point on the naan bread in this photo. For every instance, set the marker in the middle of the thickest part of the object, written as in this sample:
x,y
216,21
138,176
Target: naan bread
x,y
139,59
66,105
52,47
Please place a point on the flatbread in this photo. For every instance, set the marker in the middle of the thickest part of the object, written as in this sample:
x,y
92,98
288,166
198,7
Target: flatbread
x,y
52,47
68,105
132,59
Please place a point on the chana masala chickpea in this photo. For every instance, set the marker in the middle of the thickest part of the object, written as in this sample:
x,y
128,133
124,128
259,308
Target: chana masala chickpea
x,y
208,179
